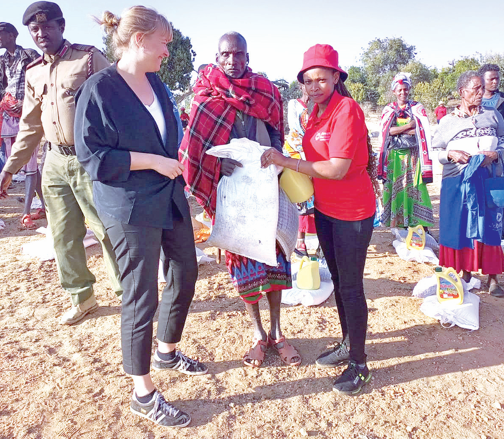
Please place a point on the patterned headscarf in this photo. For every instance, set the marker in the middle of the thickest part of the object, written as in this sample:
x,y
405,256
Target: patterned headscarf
x,y
401,78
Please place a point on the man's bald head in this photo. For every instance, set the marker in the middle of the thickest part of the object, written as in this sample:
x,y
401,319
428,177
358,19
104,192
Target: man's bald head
x,y
234,37
232,56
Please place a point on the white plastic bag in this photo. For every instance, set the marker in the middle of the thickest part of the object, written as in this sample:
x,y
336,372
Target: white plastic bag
x,y
246,215
203,219
428,286
36,203
311,241
465,315
44,248
425,255
401,235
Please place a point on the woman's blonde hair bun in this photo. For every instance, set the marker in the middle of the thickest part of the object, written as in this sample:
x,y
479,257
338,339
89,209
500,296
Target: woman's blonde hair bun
x,y
109,21
135,19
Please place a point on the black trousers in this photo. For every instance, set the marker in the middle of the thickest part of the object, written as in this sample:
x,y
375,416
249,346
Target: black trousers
x,y
345,244
137,250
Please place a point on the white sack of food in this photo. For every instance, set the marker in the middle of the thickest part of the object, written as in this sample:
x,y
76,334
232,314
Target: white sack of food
x,y
246,215
428,286
401,234
425,255
298,296
465,315
288,223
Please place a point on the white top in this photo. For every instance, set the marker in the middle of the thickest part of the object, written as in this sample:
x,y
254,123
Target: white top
x,y
156,112
473,145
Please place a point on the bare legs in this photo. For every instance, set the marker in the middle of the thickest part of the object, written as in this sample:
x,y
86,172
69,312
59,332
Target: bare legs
x,y
466,275
493,283
33,184
274,299
255,356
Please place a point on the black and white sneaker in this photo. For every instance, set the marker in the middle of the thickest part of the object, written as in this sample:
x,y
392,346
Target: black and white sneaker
x,y
160,412
352,379
180,363
336,356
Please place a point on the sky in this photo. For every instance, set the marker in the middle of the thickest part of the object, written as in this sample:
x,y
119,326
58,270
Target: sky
x,y
278,32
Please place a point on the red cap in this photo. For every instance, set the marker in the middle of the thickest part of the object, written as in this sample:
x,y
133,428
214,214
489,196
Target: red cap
x,y
321,55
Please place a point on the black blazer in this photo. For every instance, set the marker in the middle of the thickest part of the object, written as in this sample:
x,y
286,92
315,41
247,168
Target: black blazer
x,y
110,121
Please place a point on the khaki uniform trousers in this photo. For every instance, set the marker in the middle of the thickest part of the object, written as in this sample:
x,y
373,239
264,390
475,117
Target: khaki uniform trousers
x,y
68,193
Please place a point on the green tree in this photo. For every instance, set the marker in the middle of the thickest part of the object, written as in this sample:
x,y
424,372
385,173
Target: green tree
x,y
419,72
357,90
381,60
175,70
385,56
357,75
430,94
449,75
493,58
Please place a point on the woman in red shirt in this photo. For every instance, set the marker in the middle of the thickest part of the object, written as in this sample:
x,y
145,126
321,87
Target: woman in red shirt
x,y
340,161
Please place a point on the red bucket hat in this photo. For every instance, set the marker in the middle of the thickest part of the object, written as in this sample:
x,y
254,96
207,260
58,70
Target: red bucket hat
x,y
321,55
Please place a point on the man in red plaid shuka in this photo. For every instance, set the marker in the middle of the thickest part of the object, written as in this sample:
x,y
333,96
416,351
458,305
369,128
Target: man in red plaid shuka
x,y
232,102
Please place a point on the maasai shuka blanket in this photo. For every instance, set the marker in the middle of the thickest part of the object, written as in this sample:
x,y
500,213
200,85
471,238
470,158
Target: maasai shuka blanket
x,y
5,106
213,112
423,136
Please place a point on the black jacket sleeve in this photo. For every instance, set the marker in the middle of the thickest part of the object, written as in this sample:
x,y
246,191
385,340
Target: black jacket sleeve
x,y
275,138
96,137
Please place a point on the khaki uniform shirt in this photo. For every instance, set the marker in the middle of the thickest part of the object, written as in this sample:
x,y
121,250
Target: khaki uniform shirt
x,y
49,104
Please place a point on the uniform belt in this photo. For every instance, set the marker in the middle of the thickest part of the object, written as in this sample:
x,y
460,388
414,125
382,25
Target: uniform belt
x,y
63,149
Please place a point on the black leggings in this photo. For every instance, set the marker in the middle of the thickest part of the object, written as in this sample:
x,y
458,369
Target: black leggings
x,y
345,244
137,251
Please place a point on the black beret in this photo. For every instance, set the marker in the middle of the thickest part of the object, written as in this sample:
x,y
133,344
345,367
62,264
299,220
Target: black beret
x,y
7,27
40,12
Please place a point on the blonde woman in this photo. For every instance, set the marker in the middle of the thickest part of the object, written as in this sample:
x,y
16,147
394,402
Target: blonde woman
x,y
127,140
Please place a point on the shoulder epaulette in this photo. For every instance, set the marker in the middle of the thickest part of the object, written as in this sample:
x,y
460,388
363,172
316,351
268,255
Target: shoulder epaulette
x,y
84,47
34,63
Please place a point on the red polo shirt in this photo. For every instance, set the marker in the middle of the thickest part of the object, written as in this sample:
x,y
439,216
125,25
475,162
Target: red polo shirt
x,y
341,132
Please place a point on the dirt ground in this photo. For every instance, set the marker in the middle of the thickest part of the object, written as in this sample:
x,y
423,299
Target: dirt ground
x,y
67,382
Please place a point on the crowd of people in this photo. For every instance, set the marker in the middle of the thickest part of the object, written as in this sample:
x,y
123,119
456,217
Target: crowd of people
x,y
119,156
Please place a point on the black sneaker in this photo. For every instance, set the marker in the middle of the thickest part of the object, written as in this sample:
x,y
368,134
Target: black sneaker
x,y
160,412
181,363
336,356
352,379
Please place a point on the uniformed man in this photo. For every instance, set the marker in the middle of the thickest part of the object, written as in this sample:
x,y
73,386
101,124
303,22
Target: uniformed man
x,y
48,110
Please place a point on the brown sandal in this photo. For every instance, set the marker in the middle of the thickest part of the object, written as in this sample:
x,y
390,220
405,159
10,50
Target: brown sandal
x,y
288,353
255,355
